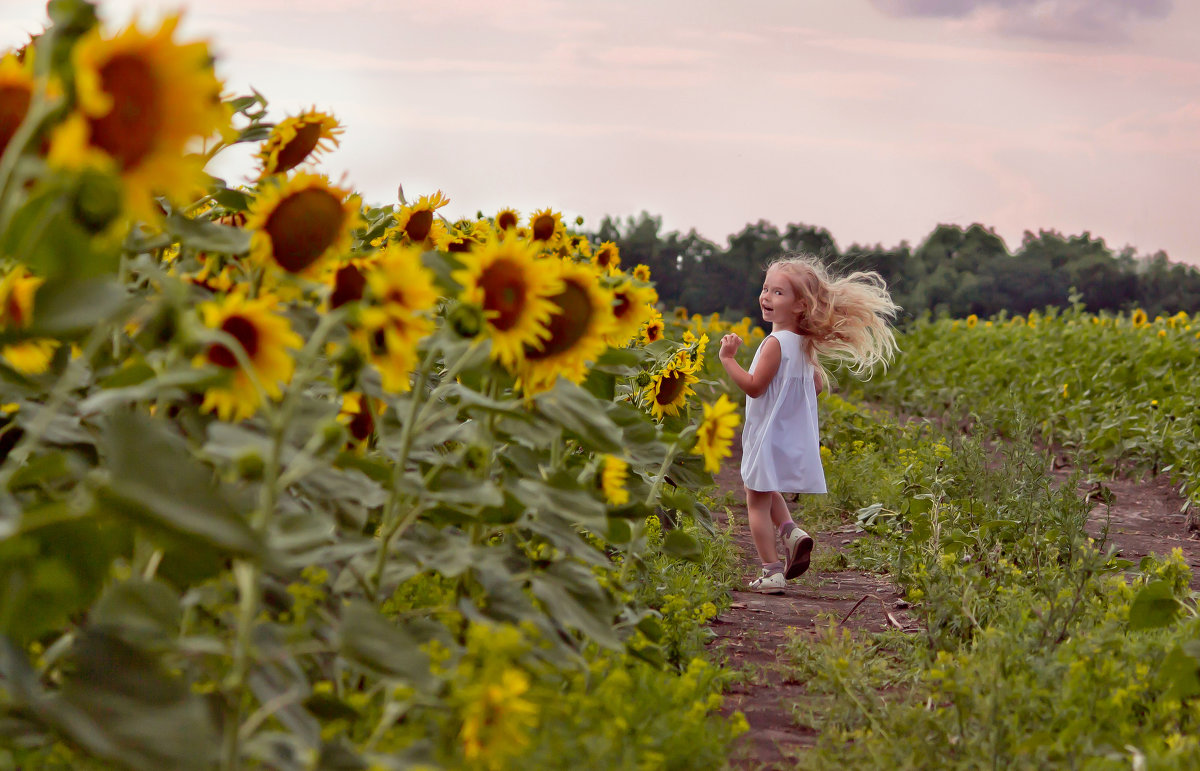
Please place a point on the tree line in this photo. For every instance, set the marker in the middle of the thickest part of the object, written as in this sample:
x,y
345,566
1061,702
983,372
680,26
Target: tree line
x,y
955,270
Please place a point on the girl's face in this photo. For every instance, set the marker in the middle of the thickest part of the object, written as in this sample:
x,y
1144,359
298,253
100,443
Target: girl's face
x,y
778,300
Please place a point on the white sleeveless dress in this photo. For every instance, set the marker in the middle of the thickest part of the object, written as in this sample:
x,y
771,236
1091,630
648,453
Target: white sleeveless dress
x,y
781,446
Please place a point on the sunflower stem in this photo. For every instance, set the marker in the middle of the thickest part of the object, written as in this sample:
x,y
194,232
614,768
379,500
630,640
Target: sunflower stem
x,y
391,524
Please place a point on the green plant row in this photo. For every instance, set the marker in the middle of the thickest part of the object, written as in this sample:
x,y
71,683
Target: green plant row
x,y
1037,648
1115,391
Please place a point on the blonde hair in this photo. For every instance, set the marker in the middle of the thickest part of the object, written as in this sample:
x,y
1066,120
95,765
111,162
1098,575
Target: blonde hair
x,y
846,319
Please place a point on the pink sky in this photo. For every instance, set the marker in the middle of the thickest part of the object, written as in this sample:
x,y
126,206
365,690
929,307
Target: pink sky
x,y
877,119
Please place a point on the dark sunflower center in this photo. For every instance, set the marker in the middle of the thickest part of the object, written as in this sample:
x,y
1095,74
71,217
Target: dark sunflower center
x,y
543,228
14,104
362,424
669,389
240,329
129,130
419,224
505,292
303,226
460,245
506,221
348,286
294,152
653,332
604,258
568,325
622,306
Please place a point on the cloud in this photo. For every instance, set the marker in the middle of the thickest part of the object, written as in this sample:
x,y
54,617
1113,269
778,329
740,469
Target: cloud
x,y
1081,20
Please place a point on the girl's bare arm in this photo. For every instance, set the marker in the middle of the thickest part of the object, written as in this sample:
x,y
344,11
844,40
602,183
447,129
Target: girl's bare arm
x,y
768,364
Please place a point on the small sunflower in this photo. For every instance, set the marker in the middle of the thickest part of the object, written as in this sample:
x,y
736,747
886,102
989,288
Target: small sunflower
x,y
16,93
348,282
265,336
669,389
579,327
715,435
418,223
654,329
297,139
461,237
546,226
612,480
507,219
142,98
1139,319
692,355
513,288
300,221
402,294
17,290
633,307
972,321
358,415
607,257
642,272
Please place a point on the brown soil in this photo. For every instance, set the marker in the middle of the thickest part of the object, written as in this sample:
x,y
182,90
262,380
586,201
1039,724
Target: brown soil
x,y
1144,517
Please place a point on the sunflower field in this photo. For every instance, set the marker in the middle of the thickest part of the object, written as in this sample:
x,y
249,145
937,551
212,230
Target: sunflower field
x,y
290,481
1116,391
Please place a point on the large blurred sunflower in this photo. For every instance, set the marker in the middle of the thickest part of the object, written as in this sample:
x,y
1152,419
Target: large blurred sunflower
x,y
17,290
16,93
418,224
298,222
633,306
141,99
579,327
669,389
265,336
715,435
402,296
513,288
297,139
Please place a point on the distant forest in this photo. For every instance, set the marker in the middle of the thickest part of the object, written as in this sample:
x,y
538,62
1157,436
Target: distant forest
x,y
956,271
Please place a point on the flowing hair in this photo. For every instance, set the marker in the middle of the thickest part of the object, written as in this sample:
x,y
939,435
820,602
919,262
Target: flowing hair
x,y
846,319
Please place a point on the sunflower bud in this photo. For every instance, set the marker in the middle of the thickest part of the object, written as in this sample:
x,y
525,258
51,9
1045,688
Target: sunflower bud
x,y
250,465
643,379
466,320
95,201
475,457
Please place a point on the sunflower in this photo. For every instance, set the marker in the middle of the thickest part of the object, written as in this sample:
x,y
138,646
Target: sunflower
x,y
546,226
579,328
264,336
402,296
297,139
1139,319
507,219
358,415
462,237
692,355
669,389
715,435
654,329
513,288
612,480
417,224
972,321
607,256
141,99
300,221
17,290
579,246
16,93
642,272
633,306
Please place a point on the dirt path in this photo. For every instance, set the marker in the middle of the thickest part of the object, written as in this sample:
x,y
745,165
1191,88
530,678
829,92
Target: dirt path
x,y
751,634
1144,518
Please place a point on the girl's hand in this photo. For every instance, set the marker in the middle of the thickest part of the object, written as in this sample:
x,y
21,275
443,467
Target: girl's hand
x,y
729,346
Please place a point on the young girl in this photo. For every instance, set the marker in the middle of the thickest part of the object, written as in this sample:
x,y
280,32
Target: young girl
x,y
813,316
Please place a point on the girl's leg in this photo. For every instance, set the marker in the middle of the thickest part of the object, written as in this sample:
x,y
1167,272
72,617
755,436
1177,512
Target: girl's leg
x,y
759,509
780,513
